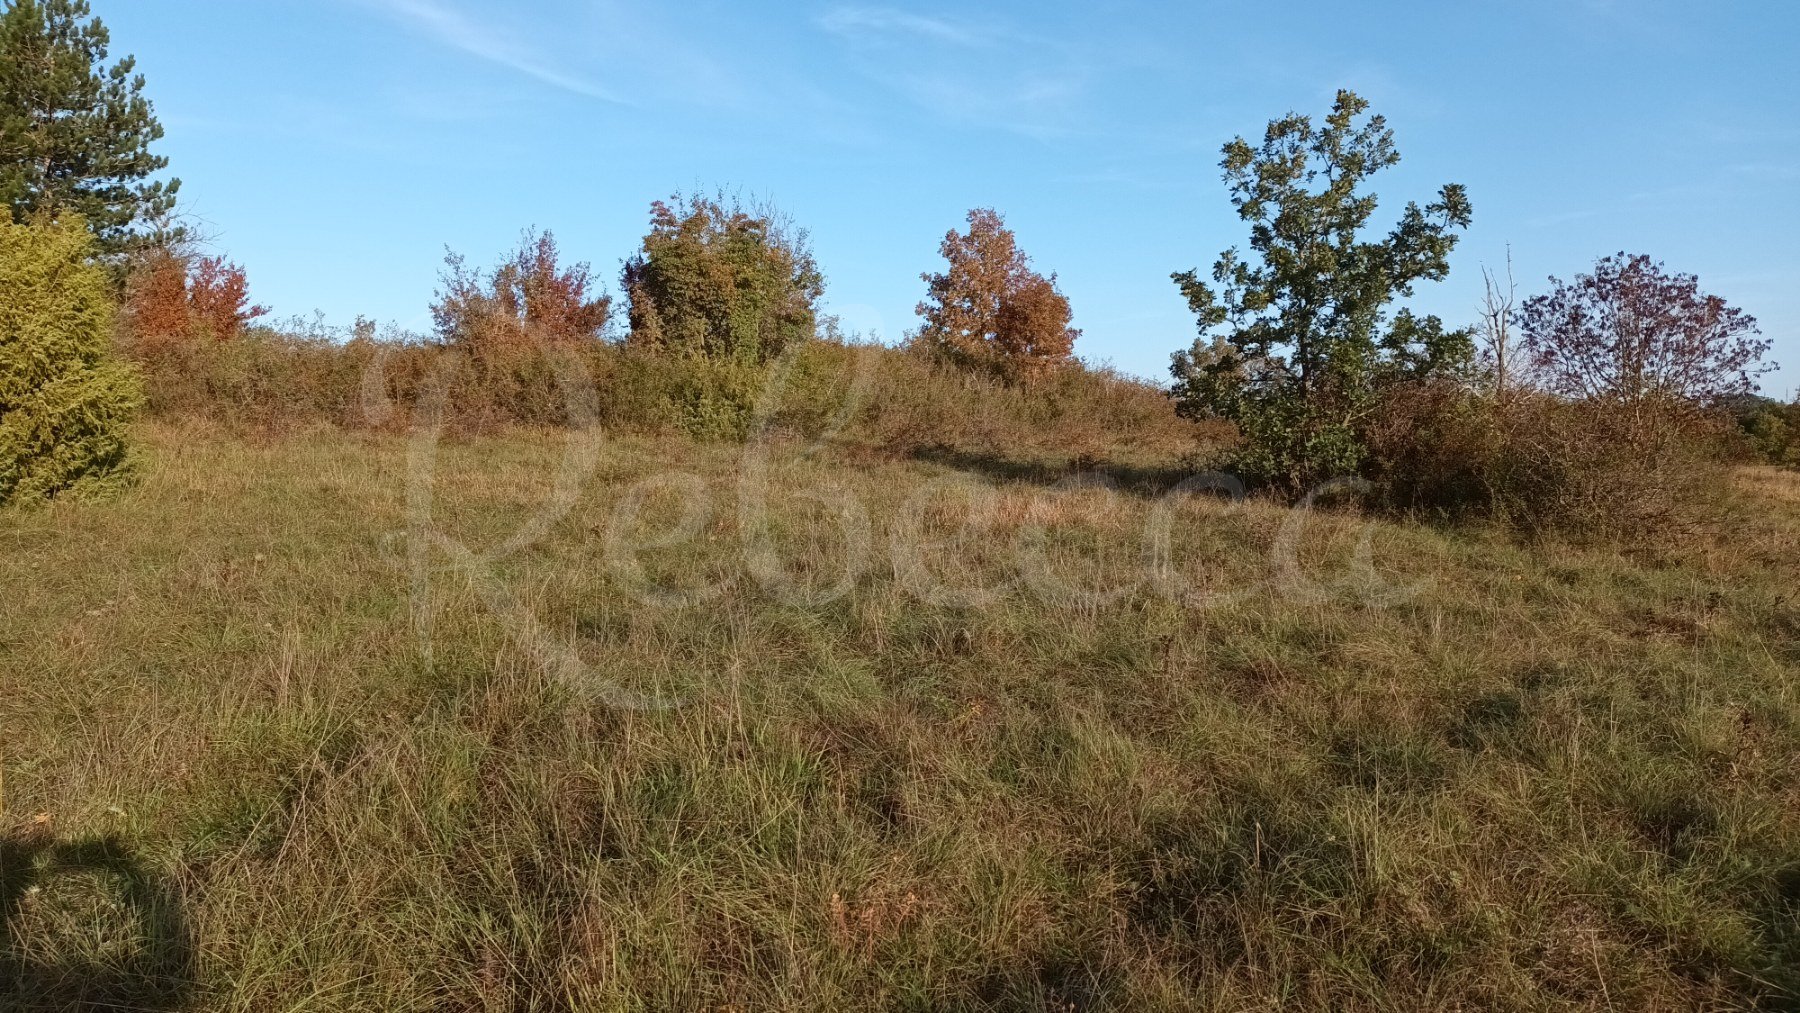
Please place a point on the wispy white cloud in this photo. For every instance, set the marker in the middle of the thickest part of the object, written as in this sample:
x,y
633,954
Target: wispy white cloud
x,y
1022,83
875,22
456,29
1766,170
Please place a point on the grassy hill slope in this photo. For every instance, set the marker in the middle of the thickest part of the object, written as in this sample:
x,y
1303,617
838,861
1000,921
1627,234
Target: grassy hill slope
x,y
768,728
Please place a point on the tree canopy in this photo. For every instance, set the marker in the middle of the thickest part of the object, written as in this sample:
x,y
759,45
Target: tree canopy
x,y
76,133
1632,330
1296,339
988,310
719,280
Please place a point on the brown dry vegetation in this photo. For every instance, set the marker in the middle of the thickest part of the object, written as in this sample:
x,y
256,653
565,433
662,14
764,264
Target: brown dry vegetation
x,y
989,312
872,396
173,299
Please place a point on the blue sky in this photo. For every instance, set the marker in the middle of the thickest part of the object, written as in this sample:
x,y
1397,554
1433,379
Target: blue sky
x,y
335,147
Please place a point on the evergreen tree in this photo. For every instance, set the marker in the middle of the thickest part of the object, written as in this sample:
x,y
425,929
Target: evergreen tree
x,y
75,134
65,403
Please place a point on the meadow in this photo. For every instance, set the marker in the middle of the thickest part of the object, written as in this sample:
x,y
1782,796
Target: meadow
x,y
666,645
534,719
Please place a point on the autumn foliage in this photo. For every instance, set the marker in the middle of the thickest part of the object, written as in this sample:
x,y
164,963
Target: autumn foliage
x,y
530,299
719,280
1631,331
989,311
1619,421
174,298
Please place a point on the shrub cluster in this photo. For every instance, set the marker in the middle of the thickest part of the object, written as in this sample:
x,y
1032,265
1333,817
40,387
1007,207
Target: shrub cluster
x,y
723,341
870,395
1539,462
172,297
1770,428
1621,421
1604,415
717,280
529,300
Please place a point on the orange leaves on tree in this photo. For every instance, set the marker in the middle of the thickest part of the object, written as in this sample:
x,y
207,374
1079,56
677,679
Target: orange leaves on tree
x,y
1032,332
989,311
529,299
173,299
219,299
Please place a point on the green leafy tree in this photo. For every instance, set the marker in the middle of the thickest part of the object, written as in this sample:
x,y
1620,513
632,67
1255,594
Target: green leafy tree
x,y
1297,341
1771,427
65,404
719,281
75,133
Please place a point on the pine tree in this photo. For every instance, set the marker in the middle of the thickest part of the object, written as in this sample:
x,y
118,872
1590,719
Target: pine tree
x,y
75,134
64,402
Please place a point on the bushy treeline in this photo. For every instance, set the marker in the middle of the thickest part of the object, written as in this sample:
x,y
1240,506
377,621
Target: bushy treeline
x,y
1771,428
722,339
1607,402
1549,414
871,395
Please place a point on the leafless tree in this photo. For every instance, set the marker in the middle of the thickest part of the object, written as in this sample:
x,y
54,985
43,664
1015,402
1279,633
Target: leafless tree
x,y
1495,329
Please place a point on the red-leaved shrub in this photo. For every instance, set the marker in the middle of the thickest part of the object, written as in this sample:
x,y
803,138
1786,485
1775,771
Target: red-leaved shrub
x,y
172,298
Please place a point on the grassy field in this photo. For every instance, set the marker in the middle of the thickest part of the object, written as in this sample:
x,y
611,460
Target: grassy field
x,y
341,722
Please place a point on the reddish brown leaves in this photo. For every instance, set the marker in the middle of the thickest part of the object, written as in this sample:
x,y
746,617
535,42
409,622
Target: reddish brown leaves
x,y
219,299
529,299
1032,332
1630,330
174,298
990,311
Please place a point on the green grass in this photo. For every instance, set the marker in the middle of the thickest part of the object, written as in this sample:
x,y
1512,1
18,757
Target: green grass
x,y
257,756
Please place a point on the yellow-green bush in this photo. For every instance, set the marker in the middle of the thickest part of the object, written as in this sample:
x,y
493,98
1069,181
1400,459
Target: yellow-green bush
x,y
65,404
721,280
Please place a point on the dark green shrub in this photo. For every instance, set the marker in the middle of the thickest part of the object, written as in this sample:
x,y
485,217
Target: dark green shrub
x,y
1299,337
1771,429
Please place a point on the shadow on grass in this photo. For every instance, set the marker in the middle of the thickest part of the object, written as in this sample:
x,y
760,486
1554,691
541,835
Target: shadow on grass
x,y
1150,482
156,974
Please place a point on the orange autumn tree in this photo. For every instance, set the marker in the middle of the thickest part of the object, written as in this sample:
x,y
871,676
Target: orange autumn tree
x,y
173,298
989,311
